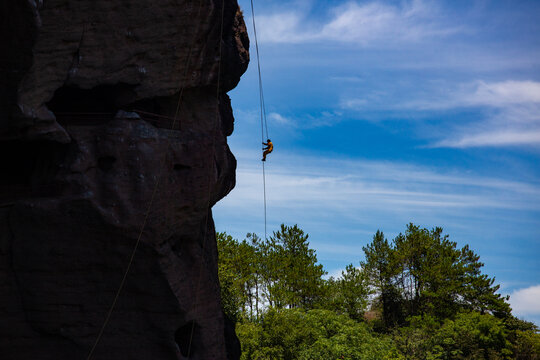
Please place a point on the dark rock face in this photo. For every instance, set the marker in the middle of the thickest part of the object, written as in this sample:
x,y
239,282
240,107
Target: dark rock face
x,y
90,154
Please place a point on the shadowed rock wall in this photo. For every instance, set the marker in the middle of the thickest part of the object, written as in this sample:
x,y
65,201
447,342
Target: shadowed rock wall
x,y
88,90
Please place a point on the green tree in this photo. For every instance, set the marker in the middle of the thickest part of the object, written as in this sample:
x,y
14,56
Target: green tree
x,y
434,300
381,271
232,297
238,274
280,272
477,290
526,345
470,335
349,293
524,337
292,276
297,334
424,273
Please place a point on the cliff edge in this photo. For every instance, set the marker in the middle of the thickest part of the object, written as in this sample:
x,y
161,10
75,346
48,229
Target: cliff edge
x,y
88,93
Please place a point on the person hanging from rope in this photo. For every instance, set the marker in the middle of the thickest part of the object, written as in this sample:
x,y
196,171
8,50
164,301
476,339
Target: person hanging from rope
x,y
268,148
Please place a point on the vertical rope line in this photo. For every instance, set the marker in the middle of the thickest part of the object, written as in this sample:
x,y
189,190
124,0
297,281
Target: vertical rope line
x,y
263,104
261,111
214,132
152,199
261,94
264,122
264,191
264,107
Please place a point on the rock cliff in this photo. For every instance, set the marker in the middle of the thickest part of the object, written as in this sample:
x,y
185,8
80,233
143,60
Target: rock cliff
x,y
90,155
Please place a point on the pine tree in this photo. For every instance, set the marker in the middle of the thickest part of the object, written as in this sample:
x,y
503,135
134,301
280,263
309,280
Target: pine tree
x,y
381,272
295,278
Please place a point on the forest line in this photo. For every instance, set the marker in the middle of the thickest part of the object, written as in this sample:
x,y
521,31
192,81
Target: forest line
x,y
417,296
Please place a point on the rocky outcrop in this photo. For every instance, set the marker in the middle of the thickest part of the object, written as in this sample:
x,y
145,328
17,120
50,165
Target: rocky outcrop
x,y
112,128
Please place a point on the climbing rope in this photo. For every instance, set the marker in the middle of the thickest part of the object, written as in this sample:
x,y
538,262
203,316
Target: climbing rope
x,y
152,198
264,123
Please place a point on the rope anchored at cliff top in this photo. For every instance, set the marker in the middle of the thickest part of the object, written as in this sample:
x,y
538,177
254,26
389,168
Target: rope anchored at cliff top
x,y
264,123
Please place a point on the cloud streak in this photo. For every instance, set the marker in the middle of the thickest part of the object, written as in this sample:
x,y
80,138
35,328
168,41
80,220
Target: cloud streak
x,y
479,93
514,120
501,94
508,112
307,121
493,139
279,119
326,189
367,24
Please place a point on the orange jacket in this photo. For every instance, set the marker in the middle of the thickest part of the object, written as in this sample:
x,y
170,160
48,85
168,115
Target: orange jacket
x,y
269,146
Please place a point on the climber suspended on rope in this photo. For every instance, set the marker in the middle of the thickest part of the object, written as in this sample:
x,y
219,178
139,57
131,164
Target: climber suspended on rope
x,y
268,147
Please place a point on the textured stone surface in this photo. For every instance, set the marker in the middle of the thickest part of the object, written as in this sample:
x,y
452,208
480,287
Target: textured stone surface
x,y
79,169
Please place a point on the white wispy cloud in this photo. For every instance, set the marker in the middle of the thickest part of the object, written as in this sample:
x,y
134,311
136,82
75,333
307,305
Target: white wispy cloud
x,y
511,94
368,24
280,119
510,116
306,121
514,120
499,138
501,94
304,187
526,302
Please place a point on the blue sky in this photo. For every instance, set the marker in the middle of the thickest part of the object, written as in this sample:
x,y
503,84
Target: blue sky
x,y
389,112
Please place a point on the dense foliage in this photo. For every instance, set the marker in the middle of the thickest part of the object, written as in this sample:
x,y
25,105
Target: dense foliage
x,y
418,296
311,335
